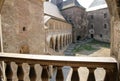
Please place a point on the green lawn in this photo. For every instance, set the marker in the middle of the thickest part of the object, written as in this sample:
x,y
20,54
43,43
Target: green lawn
x,y
90,46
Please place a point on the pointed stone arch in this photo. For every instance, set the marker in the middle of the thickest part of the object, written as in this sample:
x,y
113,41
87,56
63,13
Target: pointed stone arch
x,y
56,44
51,44
64,41
61,42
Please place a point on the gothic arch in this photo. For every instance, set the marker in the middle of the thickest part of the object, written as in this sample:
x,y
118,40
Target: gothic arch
x,y
69,38
64,41
56,44
61,42
51,44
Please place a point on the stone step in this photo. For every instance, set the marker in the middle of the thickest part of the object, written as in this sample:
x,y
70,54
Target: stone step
x,y
68,51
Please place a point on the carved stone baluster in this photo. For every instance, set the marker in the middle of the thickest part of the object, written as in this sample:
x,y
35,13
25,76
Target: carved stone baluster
x,y
109,75
45,76
8,71
75,75
32,73
91,76
20,72
59,75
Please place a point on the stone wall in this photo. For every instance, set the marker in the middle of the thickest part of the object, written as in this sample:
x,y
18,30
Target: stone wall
x,y
23,26
99,24
77,17
115,39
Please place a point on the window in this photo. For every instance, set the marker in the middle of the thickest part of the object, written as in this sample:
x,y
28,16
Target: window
x,y
24,29
92,17
105,15
101,35
92,26
105,26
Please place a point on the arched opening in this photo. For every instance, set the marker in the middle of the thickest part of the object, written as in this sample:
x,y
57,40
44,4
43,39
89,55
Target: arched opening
x,y
51,43
78,38
56,44
68,39
92,36
64,41
60,42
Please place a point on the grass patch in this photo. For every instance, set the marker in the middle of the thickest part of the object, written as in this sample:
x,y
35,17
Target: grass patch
x,y
87,47
103,44
90,46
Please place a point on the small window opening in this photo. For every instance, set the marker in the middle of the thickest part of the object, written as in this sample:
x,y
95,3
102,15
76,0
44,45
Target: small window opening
x,y
101,35
105,26
92,17
105,15
92,26
24,28
92,36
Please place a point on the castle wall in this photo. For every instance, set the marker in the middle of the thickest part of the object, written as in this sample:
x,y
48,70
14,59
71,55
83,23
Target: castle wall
x,y
23,26
99,24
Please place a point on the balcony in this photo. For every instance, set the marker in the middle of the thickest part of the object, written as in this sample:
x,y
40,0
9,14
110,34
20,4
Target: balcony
x,y
108,63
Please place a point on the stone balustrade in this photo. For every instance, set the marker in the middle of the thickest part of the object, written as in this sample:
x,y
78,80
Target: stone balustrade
x,y
108,63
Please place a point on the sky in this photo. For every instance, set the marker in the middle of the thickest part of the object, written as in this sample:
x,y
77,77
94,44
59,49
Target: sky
x,y
85,3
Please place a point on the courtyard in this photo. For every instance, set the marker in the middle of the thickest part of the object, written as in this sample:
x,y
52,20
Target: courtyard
x,y
92,48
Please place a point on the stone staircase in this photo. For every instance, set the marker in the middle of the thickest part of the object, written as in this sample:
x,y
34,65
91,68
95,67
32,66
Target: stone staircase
x,y
68,51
